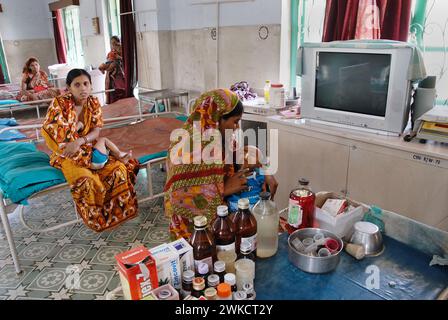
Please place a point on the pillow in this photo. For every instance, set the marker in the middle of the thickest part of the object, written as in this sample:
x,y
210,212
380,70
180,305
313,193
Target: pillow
x,y
10,134
8,122
6,102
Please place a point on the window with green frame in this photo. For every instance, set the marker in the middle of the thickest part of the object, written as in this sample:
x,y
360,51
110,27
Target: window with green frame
x,y
113,17
75,55
3,63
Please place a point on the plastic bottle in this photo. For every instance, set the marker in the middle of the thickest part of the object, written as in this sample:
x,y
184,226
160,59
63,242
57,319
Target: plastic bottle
x,y
245,226
224,291
277,96
187,283
220,269
301,207
213,281
204,249
230,279
223,230
198,287
267,88
203,270
266,213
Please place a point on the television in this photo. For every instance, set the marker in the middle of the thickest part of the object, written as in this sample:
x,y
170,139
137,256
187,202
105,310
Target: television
x,y
356,86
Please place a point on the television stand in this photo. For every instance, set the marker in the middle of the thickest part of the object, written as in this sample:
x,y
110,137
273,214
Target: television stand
x,y
313,122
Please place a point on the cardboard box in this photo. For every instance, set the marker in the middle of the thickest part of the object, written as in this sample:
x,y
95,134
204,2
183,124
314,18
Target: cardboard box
x,y
342,224
185,252
168,265
138,273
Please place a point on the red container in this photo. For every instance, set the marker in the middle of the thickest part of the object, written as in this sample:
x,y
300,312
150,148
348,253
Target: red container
x,y
301,207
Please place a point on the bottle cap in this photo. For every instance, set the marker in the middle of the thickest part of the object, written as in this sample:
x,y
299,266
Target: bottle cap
x,y
198,283
224,290
202,268
210,293
220,266
245,247
268,81
265,195
188,275
164,294
248,287
243,203
200,221
304,182
213,280
230,279
222,211
240,295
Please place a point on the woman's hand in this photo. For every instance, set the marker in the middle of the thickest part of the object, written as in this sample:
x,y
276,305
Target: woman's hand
x,y
272,183
235,183
71,148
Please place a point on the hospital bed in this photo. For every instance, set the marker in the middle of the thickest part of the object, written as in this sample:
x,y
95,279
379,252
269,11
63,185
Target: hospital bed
x,y
148,135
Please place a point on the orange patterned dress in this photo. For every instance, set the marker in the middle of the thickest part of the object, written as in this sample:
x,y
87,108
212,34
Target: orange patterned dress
x,y
104,198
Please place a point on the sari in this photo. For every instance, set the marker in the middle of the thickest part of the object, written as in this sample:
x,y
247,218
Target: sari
x,y
197,189
114,76
106,197
38,85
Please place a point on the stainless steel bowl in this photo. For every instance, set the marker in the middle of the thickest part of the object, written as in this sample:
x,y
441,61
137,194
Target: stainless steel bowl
x,y
369,236
313,264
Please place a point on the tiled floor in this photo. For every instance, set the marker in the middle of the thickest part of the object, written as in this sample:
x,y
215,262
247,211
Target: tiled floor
x,y
54,261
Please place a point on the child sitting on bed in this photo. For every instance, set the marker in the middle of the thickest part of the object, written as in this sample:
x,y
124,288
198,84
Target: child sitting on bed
x,y
255,179
101,149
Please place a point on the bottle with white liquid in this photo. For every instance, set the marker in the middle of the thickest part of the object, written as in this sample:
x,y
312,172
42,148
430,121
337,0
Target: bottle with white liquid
x,y
266,214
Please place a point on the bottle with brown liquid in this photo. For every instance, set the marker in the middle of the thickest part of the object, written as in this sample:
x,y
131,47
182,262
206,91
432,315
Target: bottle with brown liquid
x,y
204,249
245,226
223,230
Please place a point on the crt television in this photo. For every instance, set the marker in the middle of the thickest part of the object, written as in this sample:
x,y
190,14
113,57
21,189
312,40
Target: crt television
x,y
356,86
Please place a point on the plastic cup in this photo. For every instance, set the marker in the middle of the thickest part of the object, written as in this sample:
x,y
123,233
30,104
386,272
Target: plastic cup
x,y
245,272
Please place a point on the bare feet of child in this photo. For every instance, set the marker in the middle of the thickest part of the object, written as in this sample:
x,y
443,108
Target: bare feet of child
x,y
125,156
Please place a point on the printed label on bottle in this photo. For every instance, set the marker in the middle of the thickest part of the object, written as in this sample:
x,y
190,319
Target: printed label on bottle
x,y
295,214
207,260
228,247
252,240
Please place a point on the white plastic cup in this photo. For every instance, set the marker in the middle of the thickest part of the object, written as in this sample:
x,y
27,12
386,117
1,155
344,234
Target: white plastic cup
x,y
245,272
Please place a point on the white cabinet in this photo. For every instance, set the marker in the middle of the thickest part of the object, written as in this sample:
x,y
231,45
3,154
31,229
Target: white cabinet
x,y
410,179
324,163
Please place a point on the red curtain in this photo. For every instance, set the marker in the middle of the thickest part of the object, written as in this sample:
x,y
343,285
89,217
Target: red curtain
x,y
59,38
343,19
129,46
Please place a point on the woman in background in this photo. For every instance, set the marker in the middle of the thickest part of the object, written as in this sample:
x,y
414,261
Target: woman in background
x,y
114,71
35,84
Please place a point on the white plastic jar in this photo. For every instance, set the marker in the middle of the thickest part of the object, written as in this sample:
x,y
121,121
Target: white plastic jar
x,y
277,96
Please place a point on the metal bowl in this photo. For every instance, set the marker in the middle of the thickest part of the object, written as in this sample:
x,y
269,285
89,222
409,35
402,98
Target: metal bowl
x,y
309,263
369,236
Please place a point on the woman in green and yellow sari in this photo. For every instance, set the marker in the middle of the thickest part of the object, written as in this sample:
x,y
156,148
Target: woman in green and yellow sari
x,y
199,187
105,197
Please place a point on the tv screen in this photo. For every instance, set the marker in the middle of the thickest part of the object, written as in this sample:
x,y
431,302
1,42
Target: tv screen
x,y
353,82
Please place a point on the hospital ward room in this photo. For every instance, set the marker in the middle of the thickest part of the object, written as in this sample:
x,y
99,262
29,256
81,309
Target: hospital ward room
x,y
267,151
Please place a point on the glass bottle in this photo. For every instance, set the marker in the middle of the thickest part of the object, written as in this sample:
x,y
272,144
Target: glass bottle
x,y
245,226
198,287
220,269
203,270
266,213
223,230
301,207
187,283
211,293
245,251
204,249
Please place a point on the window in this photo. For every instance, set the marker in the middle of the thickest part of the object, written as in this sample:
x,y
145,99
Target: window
x,y
3,64
429,30
113,17
75,55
